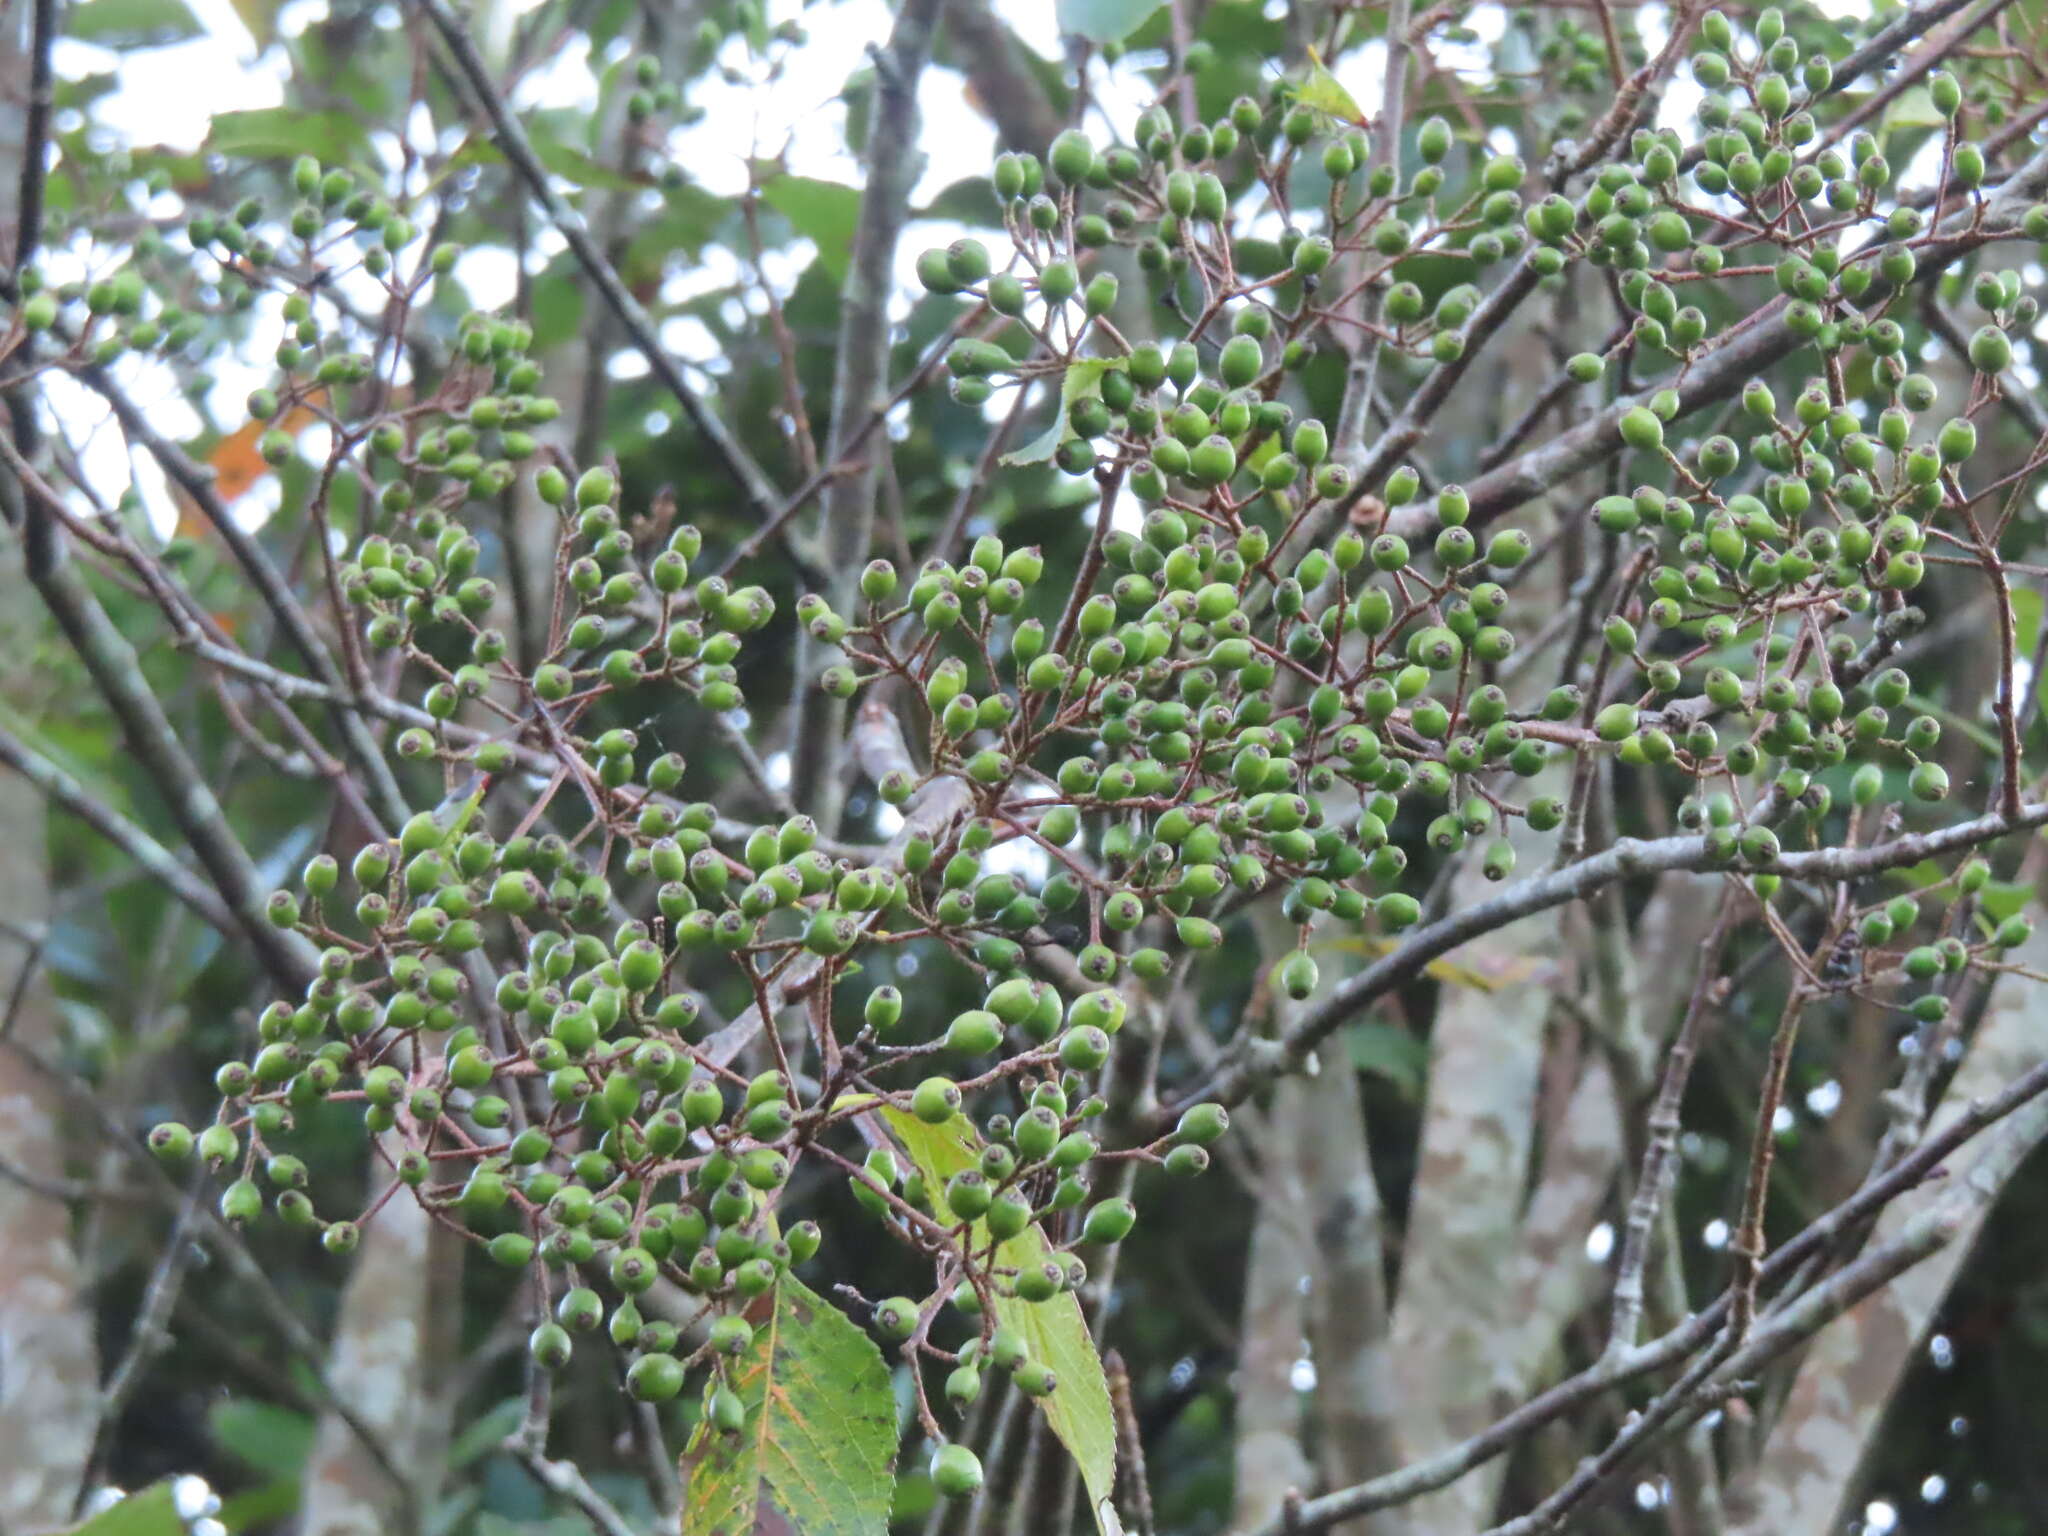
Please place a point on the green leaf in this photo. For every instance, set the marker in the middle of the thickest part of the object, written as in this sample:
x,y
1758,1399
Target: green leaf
x,y
132,23
1083,381
486,1434
1436,273
578,166
2001,899
823,212
152,1512
688,221
1391,1052
279,133
260,17
815,1454
1078,1408
2026,613
1104,21
1321,90
558,306
266,1437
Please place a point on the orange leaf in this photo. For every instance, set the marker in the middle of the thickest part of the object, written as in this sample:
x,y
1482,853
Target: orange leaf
x,y
237,464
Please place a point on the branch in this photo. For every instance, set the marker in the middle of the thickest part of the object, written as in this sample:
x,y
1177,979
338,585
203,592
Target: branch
x,y
985,49
1660,1154
1683,1340
1724,370
222,1241
145,851
847,515
270,584
1260,1061
752,481
878,746
35,145
147,1339
566,1479
117,673
1843,1387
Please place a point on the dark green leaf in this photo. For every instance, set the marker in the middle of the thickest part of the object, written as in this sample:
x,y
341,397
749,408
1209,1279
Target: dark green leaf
x,y
1391,1052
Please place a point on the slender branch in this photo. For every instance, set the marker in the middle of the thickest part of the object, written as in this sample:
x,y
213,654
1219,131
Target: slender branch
x,y
847,516
225,1244
117,674
753,482
1355,413
1420,1477
1725,369
1736,1359
147,1339
270,583
1660,1155
1259,1061
1748,1244
566,1480
145,851
35,148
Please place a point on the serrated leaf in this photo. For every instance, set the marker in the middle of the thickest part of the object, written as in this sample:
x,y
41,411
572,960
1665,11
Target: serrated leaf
x,y
825,213
1083,381
815,1455
152,1512
1104,21
1078,1410
279,133
131,23
1320,89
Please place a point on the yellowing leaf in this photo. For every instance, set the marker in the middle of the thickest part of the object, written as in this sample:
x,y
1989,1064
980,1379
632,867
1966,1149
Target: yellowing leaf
x,y
1322,91
1078,1409
237,464
1450,973
815,1454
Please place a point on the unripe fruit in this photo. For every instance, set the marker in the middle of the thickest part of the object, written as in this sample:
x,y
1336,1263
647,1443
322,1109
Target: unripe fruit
x,y
1641,430
896,1318
1109,1222
956,1472
1990,350
657,1378
935,1100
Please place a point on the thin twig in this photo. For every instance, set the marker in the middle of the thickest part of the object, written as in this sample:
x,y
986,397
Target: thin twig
x,y
753,482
